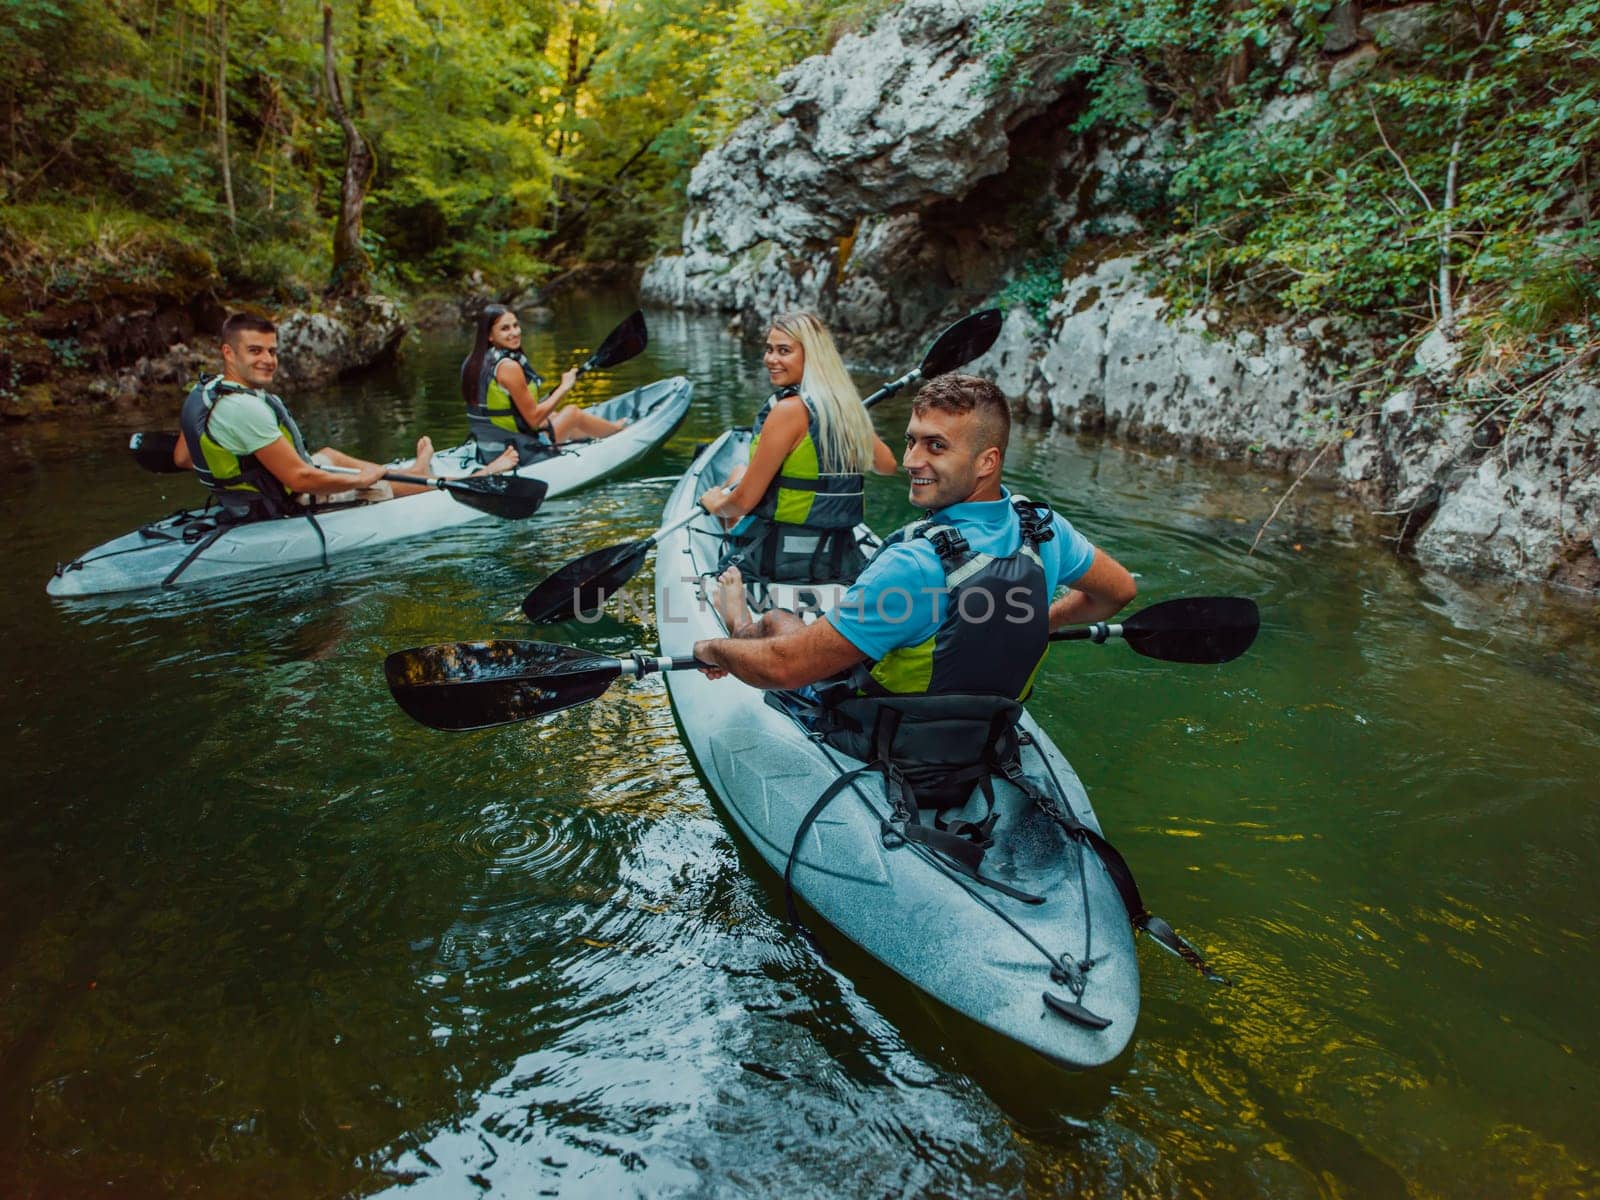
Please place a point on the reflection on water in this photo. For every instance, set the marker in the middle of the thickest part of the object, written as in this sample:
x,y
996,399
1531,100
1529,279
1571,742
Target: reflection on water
x,y
266,935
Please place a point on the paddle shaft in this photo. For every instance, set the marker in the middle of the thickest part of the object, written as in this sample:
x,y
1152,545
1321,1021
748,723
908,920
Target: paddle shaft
x,y
397,477
893,386
1098,633
957,345
641,664
674,526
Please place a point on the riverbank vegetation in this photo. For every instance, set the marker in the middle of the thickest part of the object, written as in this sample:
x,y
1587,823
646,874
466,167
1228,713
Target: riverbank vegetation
x,y
1430,167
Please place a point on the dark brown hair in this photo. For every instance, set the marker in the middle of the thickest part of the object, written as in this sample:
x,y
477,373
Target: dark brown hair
x,y
969,394
473,367
242,322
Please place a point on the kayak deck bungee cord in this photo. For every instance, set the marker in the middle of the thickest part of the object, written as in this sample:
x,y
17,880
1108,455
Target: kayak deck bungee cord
x,y
198,546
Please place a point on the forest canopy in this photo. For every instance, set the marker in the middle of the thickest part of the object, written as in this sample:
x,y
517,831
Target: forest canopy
x,y
194,137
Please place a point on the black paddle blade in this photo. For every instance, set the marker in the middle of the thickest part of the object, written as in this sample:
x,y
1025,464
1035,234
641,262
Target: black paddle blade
x,y
962,342
475,685
153,452
1194,629
583,585
622,343
509,497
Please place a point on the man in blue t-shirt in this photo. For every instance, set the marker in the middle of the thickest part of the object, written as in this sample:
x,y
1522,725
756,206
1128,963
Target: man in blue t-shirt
x,y
955,445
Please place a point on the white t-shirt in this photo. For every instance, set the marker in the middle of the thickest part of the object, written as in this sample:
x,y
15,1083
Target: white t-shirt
x,y
243,423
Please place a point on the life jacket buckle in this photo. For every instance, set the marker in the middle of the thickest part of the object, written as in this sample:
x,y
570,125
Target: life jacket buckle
x,y
1034,518
949,543
892,838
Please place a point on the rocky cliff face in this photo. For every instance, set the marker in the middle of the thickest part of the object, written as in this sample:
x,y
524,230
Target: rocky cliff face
x,y
1518,495
871,191
893,187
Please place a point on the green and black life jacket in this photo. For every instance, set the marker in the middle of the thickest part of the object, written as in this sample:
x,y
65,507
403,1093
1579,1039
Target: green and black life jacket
x,y
805,521
494,419
997,625
803,493
241,484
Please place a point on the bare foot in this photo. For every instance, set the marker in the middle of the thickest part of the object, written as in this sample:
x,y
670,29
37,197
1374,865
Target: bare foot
x,y
730,603
423,463
507,461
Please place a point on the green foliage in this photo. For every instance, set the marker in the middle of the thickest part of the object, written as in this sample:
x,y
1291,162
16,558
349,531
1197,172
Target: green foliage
x,y
1288,196
73,251
508,134
1034,285
68,352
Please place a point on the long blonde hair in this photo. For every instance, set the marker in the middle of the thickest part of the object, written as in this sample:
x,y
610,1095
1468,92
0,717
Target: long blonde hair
x,y
844,430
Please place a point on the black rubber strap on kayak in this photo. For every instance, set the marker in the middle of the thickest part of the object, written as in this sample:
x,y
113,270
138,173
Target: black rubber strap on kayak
x,y
958,853
1122,877
321,537
199,549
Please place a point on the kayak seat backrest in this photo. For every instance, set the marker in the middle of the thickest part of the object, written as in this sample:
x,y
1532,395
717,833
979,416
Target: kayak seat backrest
x,y
492,441
940,743
773,552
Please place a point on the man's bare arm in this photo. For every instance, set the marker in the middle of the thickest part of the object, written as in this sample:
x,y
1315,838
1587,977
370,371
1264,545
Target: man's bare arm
x,y
787,660
1104,590
297,475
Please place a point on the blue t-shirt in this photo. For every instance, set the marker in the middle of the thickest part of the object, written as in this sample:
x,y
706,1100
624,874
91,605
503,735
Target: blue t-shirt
x,y
900,598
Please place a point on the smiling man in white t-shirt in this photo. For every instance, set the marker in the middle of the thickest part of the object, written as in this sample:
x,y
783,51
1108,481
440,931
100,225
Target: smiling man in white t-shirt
x,y
244,444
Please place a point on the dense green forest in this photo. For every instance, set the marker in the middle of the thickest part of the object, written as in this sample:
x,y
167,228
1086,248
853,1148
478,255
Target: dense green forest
x,y
191,139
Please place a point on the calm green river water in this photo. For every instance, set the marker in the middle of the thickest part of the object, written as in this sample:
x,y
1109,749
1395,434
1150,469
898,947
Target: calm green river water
x,y
264,936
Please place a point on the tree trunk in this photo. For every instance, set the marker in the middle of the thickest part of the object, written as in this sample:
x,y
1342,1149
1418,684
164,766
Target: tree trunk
x,y
352,269
358,76
1447,304
222,112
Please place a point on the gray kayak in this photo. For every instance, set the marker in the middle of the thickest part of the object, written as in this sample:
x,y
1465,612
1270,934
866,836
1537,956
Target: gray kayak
x,y
973,948
190,548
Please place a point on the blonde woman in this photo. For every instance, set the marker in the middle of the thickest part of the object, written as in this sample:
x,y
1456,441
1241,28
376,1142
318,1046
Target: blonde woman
x,y
801,494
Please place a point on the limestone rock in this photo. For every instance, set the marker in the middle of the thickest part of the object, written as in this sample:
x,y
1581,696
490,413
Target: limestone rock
x,y
885,125
1530,507
1438,355
1013,361
1343,28
1116,361
317,346
1352,66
